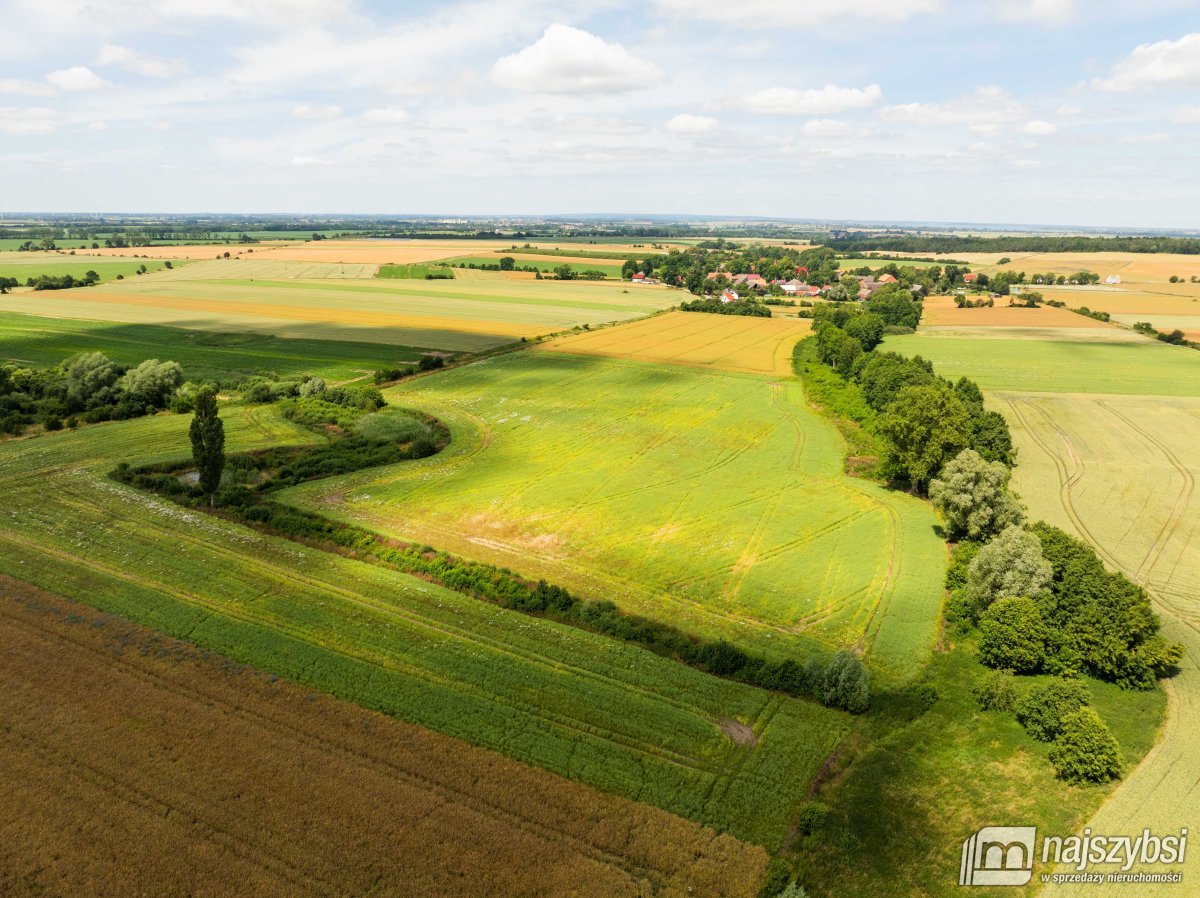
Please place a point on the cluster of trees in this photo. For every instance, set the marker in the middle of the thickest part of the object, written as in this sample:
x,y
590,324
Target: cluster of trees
x,y
565,272
64,281
921,420
1058,711
716,307
1042,601
7,283
263,389
1002,282
89,387
426,363
1175,337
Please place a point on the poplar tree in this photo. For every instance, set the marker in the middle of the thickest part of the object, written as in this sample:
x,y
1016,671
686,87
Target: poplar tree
x,y
208,443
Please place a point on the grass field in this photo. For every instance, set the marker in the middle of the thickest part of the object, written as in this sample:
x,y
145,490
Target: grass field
x,y
250,268
453,315
143,766
725,342
845,264
577,704
176,251
29,265
714,500
28,339
1142,367
410,272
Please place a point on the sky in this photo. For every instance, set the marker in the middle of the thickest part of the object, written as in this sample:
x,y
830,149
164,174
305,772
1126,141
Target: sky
x,y
1052,112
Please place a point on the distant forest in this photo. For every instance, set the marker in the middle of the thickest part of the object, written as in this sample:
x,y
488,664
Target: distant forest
x,y
900,243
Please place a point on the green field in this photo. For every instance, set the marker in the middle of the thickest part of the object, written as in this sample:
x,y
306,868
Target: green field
x,y
246,268
713,500
579,704
609,269
453,315
29,265
1144,367
27,339
880,263
411,272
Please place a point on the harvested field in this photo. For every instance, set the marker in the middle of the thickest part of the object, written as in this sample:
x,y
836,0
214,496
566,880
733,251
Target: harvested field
x,y
940,311
183,251
712,499
1132,267
249,268
141,765
382,251
726,342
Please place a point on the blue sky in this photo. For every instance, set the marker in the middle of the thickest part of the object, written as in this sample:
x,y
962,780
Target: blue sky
x,y
1025,111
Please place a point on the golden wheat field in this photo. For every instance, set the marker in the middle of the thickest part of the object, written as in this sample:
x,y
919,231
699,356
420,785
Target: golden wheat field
x,y
730,343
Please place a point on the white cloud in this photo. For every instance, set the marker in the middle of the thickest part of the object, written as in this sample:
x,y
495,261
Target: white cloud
x,y
1164,64
1039,128
316,113
285,13
772,14
385,115
828,127
1049,12
303,161
75,79
132,61
686,123
30,88
987,111
1069,111
1187,115
1156,137
566,60
26,120
828,100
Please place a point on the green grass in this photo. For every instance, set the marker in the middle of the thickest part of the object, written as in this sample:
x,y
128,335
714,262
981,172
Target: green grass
x,y
903,809
845,264
27,339
715,501
1136,368
578,704
610,270
29,265
413,272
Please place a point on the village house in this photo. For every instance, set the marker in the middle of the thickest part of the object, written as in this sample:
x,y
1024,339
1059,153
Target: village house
x,y
729,296
970,278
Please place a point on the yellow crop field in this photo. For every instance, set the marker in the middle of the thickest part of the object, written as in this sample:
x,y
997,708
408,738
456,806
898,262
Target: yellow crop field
x,y
253,267
1131,267
727,342
191,251
940,311
381,252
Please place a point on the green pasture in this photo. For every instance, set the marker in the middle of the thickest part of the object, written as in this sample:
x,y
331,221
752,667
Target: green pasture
x,y
880,263
716,501
30,265
411,272
27,339
581,705
1144,367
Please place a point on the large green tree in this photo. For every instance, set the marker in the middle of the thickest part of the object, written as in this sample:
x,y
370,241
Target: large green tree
x,y
1086,751
973,496
208,442
1013,636
922,429
1010,566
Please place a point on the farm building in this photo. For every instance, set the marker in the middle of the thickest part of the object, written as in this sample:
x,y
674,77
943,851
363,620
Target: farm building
x,y
1113,279
729,296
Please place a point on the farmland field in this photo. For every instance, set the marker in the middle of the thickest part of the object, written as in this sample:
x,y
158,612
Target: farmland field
x,y
1137,367
712,499
581,705
30,265
175,251
452,315
143,766
250,268
545,264
28,339
941,311
727,342
1133,268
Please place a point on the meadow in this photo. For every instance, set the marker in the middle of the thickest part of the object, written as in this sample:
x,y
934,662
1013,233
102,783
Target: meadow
x,y
574,703
711,499
145,766
725,342
30,265
1135,367
544,264
454,315
251,268
33,340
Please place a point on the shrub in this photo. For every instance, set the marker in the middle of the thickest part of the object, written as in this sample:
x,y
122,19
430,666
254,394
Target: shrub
x,y
1086,751
813,817
997,692
846,684
1043,711
1013,636
973,496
